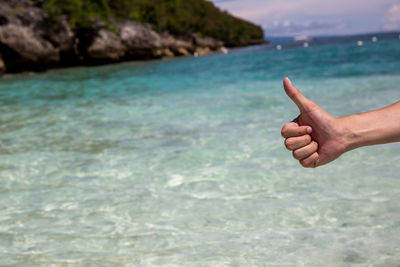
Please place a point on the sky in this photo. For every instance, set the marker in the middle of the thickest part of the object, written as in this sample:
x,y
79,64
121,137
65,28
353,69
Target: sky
x,y
317,17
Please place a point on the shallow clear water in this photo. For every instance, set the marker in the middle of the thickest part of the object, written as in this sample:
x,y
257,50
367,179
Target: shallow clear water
x,y
181,162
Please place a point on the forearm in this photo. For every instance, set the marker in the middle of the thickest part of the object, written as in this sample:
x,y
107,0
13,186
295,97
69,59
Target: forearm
x,y
370,128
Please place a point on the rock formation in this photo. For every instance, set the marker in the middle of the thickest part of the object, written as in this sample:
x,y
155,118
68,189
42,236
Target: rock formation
x,y
30,40
29,46
2,65
106,46
140,40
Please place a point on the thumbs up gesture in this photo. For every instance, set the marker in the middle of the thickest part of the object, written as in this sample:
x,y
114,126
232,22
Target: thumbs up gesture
x,y
315,137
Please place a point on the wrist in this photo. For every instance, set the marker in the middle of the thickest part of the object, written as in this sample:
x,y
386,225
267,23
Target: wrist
x,y
351,137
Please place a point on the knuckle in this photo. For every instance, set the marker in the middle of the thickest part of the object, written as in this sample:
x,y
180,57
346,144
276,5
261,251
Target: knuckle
x,y
284,131
316,146
303,163
296,154
288,144
301,130
305,140
306,163
295,93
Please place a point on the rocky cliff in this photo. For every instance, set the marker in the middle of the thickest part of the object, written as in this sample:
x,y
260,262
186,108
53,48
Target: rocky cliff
x,y
33,40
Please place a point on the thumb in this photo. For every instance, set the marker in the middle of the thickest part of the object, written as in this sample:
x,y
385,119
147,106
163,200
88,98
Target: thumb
x,y
298,98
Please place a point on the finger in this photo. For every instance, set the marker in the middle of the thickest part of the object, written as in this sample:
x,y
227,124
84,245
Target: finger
x,y
298,98
311,161
294,143
292,129
306,151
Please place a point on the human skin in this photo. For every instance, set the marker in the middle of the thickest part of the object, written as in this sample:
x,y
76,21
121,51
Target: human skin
x,y
316,138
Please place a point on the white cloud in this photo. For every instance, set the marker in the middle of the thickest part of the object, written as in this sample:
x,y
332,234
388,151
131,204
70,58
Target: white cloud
x,y
392,21
351,15
279,9
287,27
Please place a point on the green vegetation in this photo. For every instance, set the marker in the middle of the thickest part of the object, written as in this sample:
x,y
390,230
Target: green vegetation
x,y
20,9
80,12
179,17
11,13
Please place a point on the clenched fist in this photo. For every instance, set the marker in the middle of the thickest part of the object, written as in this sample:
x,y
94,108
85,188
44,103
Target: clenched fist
x,y
315,137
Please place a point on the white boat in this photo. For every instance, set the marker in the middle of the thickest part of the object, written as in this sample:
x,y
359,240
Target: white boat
x,y
302,38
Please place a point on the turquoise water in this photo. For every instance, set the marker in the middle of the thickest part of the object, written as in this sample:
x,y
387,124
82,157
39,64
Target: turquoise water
x,y
180,162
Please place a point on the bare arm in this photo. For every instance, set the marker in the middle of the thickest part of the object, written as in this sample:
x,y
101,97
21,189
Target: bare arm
x,y
374,127
330,137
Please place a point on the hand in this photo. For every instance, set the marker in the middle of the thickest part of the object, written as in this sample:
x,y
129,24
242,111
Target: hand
x,y
316,137
298,140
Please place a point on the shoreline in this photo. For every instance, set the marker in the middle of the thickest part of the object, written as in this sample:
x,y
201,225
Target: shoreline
x,y
27,73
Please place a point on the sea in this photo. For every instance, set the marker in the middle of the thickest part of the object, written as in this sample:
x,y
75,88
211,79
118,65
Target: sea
x,y
180,162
